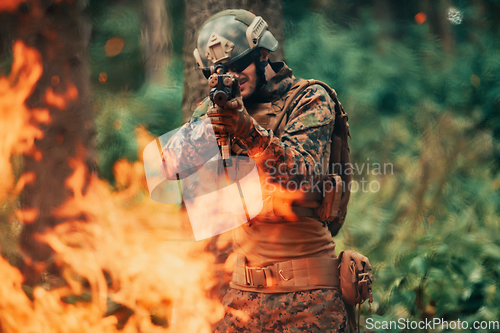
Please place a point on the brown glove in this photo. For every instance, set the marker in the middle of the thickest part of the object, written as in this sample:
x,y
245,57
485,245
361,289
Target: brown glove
x,y
233,118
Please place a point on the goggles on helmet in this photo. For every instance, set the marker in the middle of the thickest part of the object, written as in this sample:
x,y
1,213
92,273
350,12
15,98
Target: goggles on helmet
x,y
237,66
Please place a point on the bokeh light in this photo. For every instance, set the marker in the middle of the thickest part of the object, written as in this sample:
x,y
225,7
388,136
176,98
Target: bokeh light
x,y
117,124
103,77
420,18
475,80
455,16
114,46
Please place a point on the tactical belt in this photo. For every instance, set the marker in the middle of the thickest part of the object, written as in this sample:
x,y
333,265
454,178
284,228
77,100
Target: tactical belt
x,y
299,274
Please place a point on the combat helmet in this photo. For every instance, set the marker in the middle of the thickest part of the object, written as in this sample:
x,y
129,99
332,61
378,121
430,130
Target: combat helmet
x,y
230,38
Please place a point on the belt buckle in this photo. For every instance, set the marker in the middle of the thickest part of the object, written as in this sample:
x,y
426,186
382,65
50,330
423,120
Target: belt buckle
x,y
269,276
257,277
248,276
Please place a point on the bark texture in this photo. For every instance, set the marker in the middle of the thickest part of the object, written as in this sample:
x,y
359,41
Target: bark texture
x,y
156,42
60,33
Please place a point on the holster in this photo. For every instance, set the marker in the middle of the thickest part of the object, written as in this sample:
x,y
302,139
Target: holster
x,y
329,209
330,205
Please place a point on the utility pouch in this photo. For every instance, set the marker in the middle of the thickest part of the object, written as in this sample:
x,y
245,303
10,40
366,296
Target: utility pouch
x,y
355,277
355,283
329,208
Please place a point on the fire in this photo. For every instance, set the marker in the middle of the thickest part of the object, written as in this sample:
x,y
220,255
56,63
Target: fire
x,y
60,100
283,201
10,5
46,313
148,266
19,126
125,262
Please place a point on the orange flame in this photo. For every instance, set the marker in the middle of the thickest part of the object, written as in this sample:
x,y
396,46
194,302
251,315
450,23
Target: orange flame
x,y
137,247
127,248
150,270
58,100
9,5
19,126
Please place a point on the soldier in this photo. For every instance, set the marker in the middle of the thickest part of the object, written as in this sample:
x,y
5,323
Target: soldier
x,y
286,273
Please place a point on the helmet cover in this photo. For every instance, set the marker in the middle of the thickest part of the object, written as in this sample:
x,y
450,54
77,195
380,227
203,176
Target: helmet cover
x,y
230,35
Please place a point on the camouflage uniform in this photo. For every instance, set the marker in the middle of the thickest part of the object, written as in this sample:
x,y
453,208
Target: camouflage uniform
x,y
306,135
286,158
320,310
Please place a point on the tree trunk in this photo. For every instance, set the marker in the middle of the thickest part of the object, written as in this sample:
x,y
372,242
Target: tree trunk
x,y
59,32
440,26
444,28
196,13
157,45
7,21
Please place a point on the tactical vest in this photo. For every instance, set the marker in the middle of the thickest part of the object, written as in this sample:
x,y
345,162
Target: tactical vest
x,y
330,207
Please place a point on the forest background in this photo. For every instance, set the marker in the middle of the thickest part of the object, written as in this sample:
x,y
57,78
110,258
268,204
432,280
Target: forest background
x,y
420,81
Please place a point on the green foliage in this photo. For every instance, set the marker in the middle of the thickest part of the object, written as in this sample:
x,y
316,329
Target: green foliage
x,y
115,137
430,116
161,103
124,71
155,106
125,100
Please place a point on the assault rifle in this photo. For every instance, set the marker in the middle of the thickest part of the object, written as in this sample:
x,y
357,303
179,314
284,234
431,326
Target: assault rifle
x,y
224,88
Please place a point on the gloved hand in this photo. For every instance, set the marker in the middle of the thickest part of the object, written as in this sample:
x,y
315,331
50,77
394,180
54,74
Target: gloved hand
x,y
233,118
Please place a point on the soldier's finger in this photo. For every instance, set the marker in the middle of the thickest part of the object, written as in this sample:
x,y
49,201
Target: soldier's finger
x,y
222,129
222,121
228,113
234,104
215,111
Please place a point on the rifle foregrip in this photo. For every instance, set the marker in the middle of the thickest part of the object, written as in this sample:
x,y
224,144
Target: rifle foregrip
x,y
224,143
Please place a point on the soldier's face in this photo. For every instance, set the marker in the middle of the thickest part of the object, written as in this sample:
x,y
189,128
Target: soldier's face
x,y
248,80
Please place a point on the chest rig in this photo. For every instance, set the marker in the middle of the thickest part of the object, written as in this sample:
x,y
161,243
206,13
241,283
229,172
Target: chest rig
x,y
270,115
330,207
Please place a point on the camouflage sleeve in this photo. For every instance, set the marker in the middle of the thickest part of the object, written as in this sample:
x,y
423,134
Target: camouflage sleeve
x,y
301,149
192,146
200,110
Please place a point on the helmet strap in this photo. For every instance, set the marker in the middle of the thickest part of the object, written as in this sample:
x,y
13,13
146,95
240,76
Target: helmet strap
x,y
260,71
